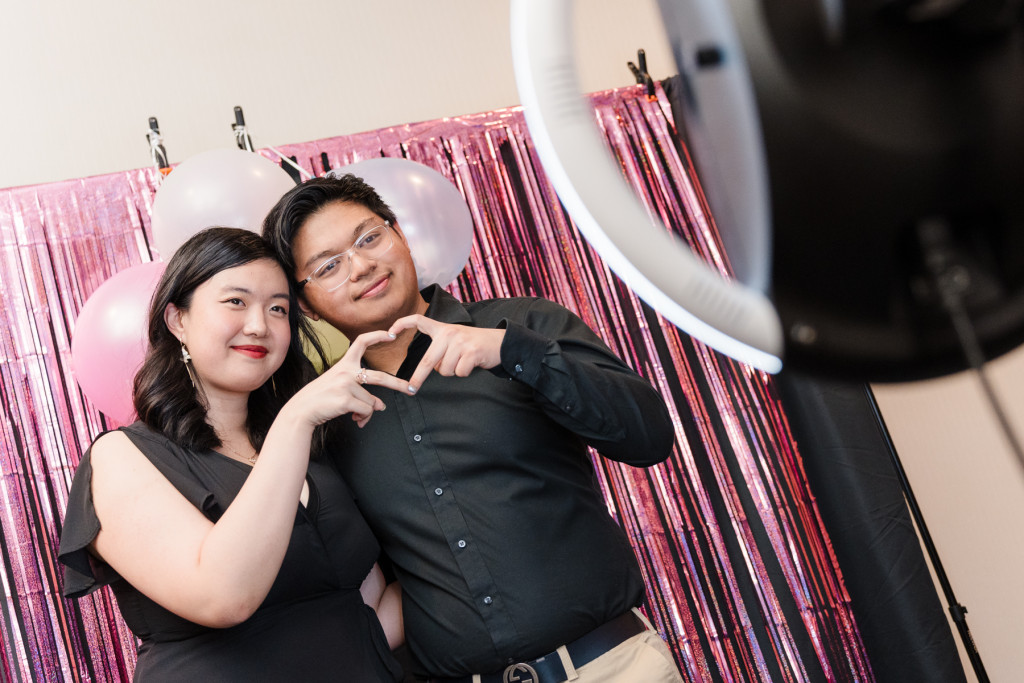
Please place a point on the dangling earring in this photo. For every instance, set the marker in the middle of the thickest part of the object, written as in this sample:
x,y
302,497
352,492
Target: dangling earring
x,y
186,358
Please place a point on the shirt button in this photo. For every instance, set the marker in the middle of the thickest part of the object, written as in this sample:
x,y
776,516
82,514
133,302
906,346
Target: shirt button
x,y
438,491
488,600
417,438
568,407
519,368
462,544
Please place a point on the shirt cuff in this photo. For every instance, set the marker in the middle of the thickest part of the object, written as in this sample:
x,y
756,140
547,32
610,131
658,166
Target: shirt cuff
x,y
522,352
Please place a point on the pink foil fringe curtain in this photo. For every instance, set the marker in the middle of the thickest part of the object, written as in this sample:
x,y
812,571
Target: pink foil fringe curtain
x,y
741,575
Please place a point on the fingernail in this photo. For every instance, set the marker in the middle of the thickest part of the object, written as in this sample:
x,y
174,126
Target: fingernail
x,y
383,406
412,389
391,334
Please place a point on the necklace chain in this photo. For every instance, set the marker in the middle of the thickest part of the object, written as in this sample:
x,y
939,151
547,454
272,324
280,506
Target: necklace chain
x,y
238,456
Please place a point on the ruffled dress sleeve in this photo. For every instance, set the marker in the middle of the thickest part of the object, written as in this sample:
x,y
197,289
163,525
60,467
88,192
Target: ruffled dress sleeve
x,y
83,571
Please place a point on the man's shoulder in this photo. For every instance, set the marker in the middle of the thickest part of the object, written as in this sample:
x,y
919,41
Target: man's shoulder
x,y
446,307
509,307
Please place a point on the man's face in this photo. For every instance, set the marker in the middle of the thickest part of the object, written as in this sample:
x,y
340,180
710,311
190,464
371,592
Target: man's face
x,y
376,291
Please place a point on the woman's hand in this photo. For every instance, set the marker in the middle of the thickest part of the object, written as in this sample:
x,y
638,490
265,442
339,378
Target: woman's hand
x,y
340,390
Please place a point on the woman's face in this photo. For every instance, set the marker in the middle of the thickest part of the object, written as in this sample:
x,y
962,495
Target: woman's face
x,y
236,327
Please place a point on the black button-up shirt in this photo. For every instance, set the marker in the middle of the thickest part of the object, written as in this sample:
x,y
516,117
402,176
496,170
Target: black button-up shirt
x,y
482,492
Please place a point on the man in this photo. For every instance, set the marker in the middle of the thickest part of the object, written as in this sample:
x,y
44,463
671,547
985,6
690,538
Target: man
x,y
477,482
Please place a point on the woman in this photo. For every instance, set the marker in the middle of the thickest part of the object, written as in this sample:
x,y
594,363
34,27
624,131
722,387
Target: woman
x,y
232,554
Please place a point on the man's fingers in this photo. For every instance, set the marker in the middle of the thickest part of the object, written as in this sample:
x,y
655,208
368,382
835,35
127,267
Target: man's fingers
x,y
465,365
454,350
415,321
450,362
423,371
434,354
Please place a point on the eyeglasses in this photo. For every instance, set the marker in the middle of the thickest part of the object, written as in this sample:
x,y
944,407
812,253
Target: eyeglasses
x,y
334,272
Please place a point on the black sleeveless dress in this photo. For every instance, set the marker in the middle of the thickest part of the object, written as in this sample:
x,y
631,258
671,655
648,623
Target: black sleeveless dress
x,y
313,625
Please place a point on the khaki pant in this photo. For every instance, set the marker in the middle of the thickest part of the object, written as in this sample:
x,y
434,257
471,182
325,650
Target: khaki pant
x,y
644,658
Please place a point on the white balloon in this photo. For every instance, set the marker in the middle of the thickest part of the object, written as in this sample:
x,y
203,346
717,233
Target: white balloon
x,y
431,211
226,187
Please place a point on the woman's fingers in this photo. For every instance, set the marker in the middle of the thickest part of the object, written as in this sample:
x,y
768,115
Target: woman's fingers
x,y
351,363
381,379
357,347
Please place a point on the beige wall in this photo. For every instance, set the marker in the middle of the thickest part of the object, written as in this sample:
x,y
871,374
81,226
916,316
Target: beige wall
x,y
80,79
970,488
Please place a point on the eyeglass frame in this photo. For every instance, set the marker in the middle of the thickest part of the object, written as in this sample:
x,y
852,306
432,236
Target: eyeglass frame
x,y
388,228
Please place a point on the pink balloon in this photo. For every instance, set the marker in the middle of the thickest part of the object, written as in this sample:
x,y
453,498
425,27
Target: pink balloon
x,y
432,213
110,339
228,187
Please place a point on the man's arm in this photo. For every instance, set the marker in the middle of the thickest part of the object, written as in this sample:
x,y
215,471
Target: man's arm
x,y
585,387
576,379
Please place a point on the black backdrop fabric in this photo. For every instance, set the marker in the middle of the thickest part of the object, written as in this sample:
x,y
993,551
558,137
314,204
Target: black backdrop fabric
x,y
848,465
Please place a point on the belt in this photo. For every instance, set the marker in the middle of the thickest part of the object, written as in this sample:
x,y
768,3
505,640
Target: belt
x,y
583,650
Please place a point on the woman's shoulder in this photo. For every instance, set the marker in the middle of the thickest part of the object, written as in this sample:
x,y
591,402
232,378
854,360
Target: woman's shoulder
x,y
108,442
127,453
127,442
128,458
109,447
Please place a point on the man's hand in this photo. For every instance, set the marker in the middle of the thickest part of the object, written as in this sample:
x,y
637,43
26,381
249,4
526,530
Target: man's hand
x,y
454,349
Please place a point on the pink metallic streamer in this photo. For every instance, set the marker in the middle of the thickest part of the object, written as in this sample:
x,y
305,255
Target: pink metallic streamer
x,y
741,574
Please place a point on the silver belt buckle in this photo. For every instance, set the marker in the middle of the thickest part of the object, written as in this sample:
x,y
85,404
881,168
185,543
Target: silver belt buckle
x,y
515,673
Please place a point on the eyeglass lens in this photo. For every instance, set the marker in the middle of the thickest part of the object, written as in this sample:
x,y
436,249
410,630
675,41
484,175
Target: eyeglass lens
x,y
371,244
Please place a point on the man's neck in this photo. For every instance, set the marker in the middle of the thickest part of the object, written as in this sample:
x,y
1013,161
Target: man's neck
x,y
388,357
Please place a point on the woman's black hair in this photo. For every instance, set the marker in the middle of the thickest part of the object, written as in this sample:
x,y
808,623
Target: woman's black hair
x,y
163,394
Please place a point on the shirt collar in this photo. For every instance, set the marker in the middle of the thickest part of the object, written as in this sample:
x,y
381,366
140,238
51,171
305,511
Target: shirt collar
x,y
441,306
444,307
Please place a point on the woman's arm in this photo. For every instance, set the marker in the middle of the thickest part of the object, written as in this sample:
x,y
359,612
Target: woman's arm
x,y
211,574
218,574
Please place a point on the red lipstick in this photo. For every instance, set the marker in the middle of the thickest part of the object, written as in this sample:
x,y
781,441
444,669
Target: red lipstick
x,y
251,351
